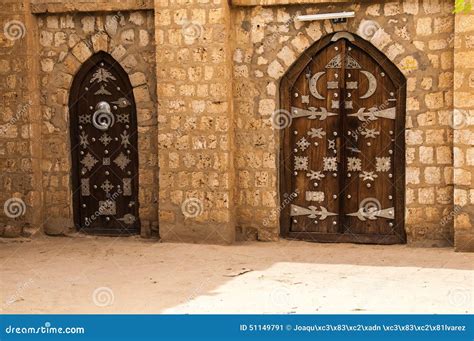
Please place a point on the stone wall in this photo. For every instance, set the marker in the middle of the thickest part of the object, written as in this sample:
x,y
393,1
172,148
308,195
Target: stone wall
x,y
416,35
66,41
19,128
195,121
463,124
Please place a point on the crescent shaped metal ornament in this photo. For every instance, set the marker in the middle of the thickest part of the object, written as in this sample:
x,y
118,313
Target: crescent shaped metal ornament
x,y
313,85
372,84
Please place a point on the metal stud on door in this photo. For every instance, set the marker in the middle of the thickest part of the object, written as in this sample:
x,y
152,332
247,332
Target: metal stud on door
x,y
345,137
104,153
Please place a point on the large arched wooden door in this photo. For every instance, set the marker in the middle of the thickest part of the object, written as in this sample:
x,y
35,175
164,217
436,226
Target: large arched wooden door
x,y
343,151
104,148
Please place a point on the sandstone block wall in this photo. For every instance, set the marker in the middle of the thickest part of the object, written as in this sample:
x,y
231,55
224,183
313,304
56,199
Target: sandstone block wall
x,y
195,136
463,123
20,196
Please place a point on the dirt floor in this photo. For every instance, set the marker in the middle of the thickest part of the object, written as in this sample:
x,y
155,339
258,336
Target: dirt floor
x,y
132,275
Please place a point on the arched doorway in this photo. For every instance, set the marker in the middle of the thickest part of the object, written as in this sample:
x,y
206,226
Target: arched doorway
x,y
343,153
103,130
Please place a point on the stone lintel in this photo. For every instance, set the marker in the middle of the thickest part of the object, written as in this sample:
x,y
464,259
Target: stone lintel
x,y
92,6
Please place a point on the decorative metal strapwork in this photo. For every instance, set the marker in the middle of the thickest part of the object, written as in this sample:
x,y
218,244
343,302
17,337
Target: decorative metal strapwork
x,y
311,212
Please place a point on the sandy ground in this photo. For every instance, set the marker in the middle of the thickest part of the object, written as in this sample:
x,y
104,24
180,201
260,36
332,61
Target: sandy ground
x,y
132,275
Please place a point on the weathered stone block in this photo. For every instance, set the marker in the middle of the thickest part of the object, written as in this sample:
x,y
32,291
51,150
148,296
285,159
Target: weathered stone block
x,y
437,44
462,177
410,7
47,65
464,60
426,195
287,55
432,175
59,38
424,26
444,155
392,8
434,100
143,38
128,36
414,137
52,22
426,154
266,107
275,70
100,41
465,23
46,38
435,136
412,175
137,18
82,52
88,24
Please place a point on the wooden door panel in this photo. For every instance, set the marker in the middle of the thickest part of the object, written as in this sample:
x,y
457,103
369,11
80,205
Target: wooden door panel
x,y
314,135
371,143
104,153
339,152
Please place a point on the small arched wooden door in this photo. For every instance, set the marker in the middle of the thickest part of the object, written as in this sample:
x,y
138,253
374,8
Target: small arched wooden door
x,y
103,129
342,151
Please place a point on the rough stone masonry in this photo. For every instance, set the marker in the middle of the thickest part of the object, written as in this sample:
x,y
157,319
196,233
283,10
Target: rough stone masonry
x,y
206,75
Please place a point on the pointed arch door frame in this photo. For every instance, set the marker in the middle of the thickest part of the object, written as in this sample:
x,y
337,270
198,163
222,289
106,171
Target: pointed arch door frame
x,y
76,92
285,173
